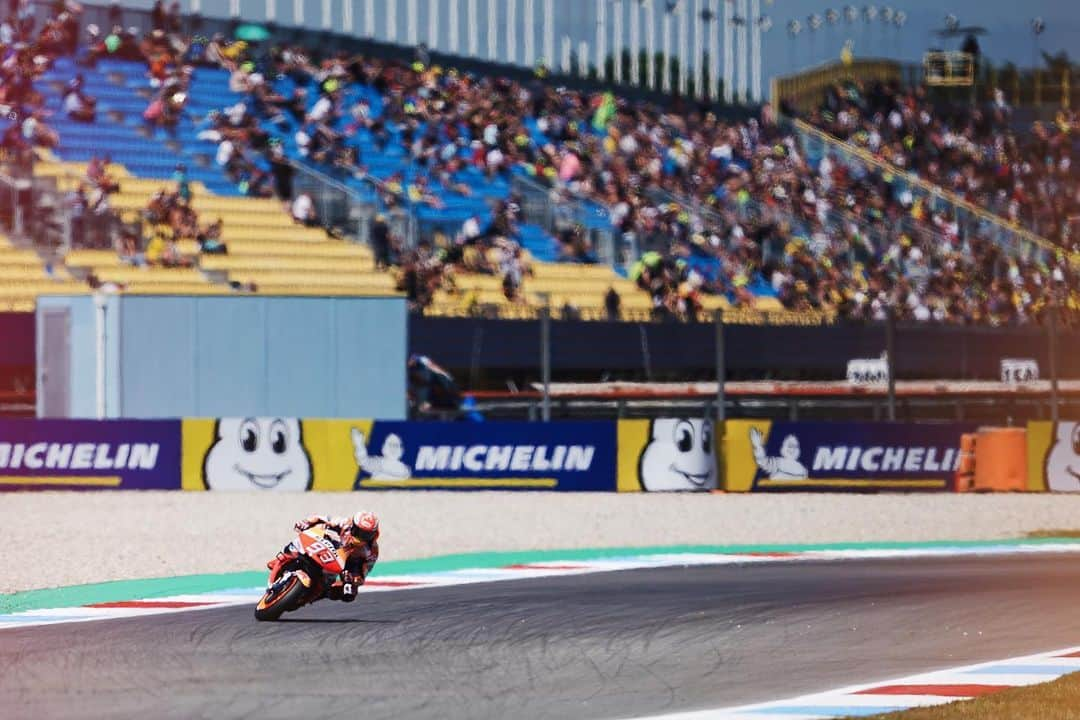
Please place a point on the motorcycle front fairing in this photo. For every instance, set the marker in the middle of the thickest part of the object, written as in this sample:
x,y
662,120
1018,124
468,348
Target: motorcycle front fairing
x,y
323,548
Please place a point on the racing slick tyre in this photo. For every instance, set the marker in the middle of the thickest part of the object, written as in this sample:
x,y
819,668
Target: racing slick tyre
x,y
274,604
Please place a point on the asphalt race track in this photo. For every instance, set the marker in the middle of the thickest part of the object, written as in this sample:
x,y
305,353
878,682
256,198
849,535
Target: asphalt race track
x,y
605,645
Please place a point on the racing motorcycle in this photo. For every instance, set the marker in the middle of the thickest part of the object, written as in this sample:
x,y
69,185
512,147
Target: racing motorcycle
x,y
317,559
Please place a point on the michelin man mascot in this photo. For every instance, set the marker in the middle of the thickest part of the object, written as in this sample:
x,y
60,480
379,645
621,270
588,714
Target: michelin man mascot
x,y
257,454
785,467
1063,460
679,456
387,467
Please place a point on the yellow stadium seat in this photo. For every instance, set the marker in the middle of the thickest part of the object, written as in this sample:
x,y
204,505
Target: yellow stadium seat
x,y
177,288
715,302
574,270
149,275
305,249
92,258
250,263
22,289
768,304
272,288
267,248
313,279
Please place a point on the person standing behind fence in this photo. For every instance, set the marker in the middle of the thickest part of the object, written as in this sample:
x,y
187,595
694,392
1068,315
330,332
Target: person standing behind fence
x,y
303,210
613,305
283,171
380,242
430,387
76,202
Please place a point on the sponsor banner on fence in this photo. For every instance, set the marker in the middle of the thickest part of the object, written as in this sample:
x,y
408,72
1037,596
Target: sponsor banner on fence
x,y
91,454
536,456
765,455
1053,455
667,454
309,454
269,453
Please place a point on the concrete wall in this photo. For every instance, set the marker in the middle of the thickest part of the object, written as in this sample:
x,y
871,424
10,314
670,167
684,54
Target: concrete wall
x,y
215,356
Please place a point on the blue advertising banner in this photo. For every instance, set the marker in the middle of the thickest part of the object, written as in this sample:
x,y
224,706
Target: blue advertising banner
x,y
90,454
764,455
506,455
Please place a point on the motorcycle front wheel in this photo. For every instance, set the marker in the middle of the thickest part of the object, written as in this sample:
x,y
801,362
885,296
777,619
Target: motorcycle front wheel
x,y
274,604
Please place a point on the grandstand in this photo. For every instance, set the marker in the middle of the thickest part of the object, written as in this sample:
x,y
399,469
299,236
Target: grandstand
x,y
692,214
265,247
483,193
267,250
24,276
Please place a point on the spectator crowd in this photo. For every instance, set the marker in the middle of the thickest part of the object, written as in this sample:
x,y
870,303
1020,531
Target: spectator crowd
x,y
699,203
1025,175
709,205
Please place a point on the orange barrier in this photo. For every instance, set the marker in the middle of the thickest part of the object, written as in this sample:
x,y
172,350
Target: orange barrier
x,y
965,471
1000,460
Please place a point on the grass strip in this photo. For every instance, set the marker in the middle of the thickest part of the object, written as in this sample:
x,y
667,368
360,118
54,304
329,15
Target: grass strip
x,y
1039,534
1057,700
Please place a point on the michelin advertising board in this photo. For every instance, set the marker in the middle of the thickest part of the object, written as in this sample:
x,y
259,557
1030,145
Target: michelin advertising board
x,y
292,454
1053,456
764,455
89,454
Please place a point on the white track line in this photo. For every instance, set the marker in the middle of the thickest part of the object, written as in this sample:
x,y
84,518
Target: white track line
x,y
539,569
860,699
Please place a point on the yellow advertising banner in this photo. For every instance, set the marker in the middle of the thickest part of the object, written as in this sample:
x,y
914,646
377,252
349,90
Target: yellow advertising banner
x,y
667,455
294,454
633,436
283,454
1053,455
740,467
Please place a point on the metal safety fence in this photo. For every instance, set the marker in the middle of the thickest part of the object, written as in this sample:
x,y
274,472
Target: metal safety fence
x,y
972,220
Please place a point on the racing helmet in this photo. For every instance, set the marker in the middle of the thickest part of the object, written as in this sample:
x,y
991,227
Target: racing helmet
x,y
365,526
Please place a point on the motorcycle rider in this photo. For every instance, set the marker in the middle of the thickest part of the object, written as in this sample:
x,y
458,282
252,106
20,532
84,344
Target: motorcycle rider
x,y
359,537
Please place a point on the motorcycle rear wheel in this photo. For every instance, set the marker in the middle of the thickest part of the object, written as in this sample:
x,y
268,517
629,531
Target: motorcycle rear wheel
x,y
288,599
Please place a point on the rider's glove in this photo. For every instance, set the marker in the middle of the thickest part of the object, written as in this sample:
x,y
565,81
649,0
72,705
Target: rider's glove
x,y
306,523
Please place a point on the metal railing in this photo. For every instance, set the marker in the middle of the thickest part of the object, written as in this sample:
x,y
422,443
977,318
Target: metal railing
x,y
805,90
1036,88
752,211
337,205
987,409
973,221
35,210
17,192
556,210
735,316
90,231
1048,88
56,227
15,199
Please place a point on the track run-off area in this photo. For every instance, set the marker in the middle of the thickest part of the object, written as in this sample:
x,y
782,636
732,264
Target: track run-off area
x,y
577,634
